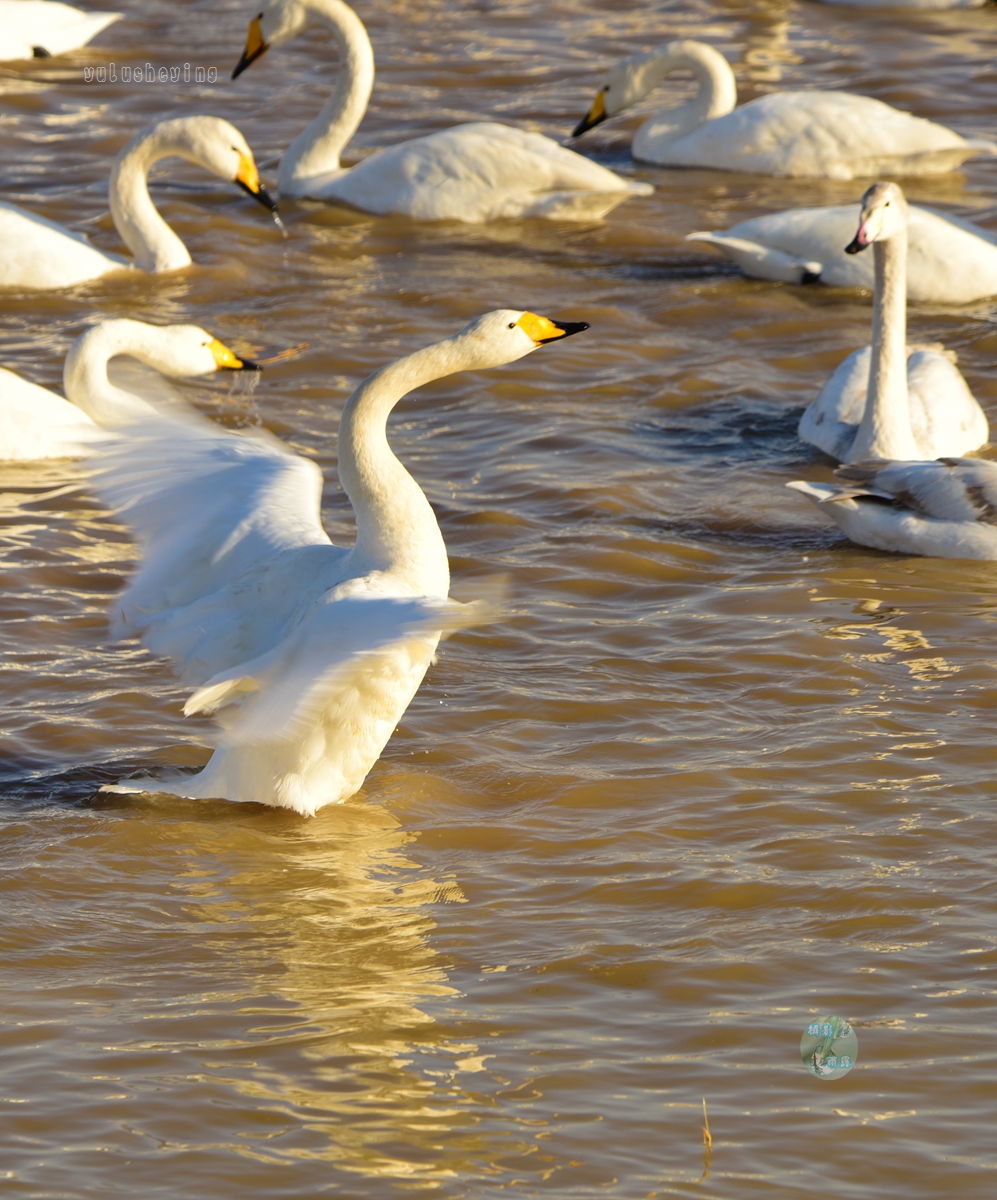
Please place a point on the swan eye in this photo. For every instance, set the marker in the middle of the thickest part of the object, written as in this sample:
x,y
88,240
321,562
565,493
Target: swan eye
x,y
511,325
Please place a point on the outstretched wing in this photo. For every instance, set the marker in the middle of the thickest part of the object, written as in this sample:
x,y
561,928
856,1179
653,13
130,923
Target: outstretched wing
x,y
350,659
949,489
205,504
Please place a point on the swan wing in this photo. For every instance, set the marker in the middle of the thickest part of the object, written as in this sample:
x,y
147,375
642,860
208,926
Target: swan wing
x,y
36,423
949,489
206,505
40,254
56,28
819,134
945,418
831,420
479,172
335,661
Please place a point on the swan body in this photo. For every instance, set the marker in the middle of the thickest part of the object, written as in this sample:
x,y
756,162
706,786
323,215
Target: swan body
x,y
308,652
42,28
891,400
474,173
950,261
39,254
942,509
826,135
37,424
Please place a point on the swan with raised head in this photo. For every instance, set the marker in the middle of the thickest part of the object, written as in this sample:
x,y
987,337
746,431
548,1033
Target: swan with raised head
x,y
309,652
946,508
36,423
478,172
891,400
949,260
43,28
826,135
40,254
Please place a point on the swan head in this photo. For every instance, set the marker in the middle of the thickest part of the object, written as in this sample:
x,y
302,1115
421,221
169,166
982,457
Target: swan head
x,y
507,334
180,351
276,22
626,84
213,144
884,214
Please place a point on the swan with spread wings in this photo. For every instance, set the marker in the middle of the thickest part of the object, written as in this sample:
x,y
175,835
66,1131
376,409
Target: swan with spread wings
x,y
308,653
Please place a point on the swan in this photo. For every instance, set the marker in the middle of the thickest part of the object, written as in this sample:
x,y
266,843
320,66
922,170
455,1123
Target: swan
x,y
942,509
950,261
36,423
826,135
42,28
474,173
891,400
309,652
40,254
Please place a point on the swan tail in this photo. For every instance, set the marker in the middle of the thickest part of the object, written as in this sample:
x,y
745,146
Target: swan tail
x,y
760,261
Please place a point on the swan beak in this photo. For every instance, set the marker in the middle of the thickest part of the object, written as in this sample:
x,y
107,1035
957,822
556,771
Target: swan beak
x,y
225,359
255,46
596,114
248,178
859,241
543,329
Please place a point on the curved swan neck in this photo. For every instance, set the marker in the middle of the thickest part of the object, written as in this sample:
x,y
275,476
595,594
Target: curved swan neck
x,y
153,243
84,376
396,527
716,93
885,430
316,150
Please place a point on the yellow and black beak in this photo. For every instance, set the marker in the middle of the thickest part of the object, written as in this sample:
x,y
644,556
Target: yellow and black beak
x,y
248,178
226,360
543,330
255,46
596,114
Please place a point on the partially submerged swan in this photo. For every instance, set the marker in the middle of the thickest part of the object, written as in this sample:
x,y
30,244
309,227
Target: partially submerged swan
x,y
40,254
943,509
43,28
36,423
890,400
950,260
827,135
310,653
478,172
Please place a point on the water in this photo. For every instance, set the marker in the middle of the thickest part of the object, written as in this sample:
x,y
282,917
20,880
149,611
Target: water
x,y
718,774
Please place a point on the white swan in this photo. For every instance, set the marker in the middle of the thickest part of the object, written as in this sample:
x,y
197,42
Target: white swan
x,y
475,173
42,28
39,254
36,423
890,400
311,652
942,509
950,261
827,135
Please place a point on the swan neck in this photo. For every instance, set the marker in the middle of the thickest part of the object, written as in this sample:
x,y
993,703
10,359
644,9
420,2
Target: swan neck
x,y
84,376
152,242
397,529
716,92
885,430
316,150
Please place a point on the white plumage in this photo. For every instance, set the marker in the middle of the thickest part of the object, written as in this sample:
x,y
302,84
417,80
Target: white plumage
x,y
829,135
43,28
477,172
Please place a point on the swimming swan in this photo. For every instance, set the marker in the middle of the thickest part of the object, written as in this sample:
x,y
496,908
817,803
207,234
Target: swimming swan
x,y
309,652
950,261
41,28
942,509
474,173
890,400
36,423
827,135
39,254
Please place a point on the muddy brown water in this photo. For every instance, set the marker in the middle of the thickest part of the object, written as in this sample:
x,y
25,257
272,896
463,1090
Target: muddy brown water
x,y
719,772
